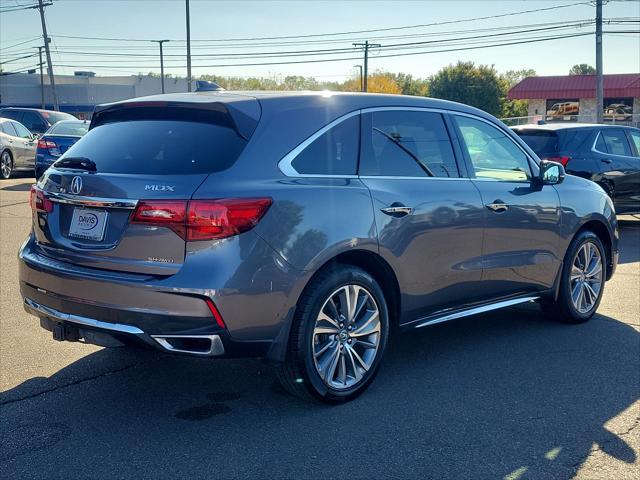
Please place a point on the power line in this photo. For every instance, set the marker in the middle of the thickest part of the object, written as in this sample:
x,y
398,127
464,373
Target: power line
x,y
353,32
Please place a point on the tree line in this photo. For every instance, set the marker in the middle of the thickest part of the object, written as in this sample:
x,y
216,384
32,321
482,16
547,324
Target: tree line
x,y
481,86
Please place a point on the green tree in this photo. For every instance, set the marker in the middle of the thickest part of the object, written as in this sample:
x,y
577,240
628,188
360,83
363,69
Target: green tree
x,y
479,86
582,69
514,108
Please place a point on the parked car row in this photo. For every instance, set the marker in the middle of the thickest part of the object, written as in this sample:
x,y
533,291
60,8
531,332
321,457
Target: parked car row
x,y
36,148
606,154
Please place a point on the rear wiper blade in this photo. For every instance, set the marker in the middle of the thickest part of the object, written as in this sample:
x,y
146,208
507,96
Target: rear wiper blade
x,y
76,163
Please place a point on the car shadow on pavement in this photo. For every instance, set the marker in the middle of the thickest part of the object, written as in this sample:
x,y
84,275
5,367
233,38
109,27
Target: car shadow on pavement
x,y
493,396
20,187
629,239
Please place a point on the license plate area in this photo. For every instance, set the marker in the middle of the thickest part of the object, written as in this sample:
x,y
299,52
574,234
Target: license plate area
x,y
88,224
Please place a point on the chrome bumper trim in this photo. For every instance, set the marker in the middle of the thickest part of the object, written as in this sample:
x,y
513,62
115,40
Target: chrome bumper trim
x,y
82,201
216,348
38,310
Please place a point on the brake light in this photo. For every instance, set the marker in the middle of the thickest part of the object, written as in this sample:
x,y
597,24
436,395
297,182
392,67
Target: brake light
x,y
562,160
38,202
203,219
50,145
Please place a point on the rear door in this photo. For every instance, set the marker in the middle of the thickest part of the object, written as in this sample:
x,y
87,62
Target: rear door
x,y
521,245
151,157
429,216
27,145
622,168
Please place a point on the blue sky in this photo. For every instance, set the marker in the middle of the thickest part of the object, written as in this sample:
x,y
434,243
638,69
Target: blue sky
x,y
214,20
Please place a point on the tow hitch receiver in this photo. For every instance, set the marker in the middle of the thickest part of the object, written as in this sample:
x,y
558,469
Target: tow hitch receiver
x,y
62,332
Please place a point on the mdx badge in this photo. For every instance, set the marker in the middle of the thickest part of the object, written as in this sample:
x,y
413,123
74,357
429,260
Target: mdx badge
x,y
76,185
160,188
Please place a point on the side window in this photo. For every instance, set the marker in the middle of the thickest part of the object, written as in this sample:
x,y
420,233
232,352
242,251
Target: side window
x,y
9,129
616,141
22,132
406,143
335,152
635,138
600,145
493,154
12,114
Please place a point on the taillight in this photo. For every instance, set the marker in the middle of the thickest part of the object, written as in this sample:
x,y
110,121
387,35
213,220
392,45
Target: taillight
x,y
562,160
166,213
214,311
203,219
50,145
38,202
212,219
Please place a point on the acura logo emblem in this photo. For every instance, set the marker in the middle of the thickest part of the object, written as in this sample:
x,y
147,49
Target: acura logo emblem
x,y
76,185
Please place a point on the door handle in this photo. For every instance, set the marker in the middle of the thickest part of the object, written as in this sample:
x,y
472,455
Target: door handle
x,y
397,210
605,160
498,206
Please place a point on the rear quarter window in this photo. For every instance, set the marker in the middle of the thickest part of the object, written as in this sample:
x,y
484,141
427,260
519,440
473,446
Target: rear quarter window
x,y
540,141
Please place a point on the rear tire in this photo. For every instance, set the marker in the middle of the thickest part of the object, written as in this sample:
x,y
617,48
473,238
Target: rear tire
x,y
338,337
6,165
582,281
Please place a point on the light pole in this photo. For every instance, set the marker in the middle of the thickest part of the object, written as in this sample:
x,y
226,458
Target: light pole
x,y
359,67
188,48
160,42
599,77
366,46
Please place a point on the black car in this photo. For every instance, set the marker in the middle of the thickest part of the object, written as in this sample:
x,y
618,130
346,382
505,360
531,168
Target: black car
x,y
606,154
36,120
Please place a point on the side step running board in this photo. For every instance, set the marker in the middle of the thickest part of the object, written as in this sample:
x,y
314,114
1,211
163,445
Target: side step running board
x,y
432,320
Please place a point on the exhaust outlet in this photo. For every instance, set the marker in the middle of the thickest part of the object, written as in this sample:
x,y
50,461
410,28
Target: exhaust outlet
x,y
203,345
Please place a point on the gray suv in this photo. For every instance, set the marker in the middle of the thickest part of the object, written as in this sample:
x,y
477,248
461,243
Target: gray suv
x,y
303,228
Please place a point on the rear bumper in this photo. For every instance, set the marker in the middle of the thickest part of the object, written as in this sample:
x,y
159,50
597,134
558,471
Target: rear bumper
x,y
116,309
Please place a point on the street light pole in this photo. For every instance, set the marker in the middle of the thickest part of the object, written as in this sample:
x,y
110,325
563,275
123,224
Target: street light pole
x,y
599,77
359,67
188,48
41,78
160,42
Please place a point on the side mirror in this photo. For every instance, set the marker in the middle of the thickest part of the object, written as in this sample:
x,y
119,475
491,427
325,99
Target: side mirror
x,y
551,173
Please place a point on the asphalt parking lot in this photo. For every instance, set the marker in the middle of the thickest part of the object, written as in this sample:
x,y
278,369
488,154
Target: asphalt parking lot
x,y
504,395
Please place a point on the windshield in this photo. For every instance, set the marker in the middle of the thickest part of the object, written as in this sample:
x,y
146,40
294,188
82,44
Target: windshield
x,y
69,128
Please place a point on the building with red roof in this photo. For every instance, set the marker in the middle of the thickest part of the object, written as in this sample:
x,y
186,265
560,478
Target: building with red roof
x,y
573,97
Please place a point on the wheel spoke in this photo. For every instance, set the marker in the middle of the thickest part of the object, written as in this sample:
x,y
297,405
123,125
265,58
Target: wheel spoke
x,y
365,343
326,318
325,347
595,269
370,325
592,293
357,375
343,369
325,330
576,273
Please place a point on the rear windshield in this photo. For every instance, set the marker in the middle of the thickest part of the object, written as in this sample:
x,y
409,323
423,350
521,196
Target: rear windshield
x,y
159,147
69,128
540,141
54,117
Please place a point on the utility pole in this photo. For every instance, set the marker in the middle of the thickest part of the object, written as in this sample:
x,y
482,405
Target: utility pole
x,y
160,42
359,67
599,77
52,80
188,48
366,45
41,78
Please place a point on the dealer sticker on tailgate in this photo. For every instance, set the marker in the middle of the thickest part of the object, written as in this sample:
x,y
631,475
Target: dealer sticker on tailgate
x,y
89,224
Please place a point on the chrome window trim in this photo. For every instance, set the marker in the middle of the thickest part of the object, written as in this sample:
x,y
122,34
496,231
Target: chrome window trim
x,y
286,167
392,177
123,203
595,150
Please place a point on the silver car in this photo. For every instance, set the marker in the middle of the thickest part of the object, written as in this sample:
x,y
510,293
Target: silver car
x,y
303,228
17,148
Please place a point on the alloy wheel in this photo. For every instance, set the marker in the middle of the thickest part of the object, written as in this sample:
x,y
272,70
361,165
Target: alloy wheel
x,y
346,337
586,277
5,165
